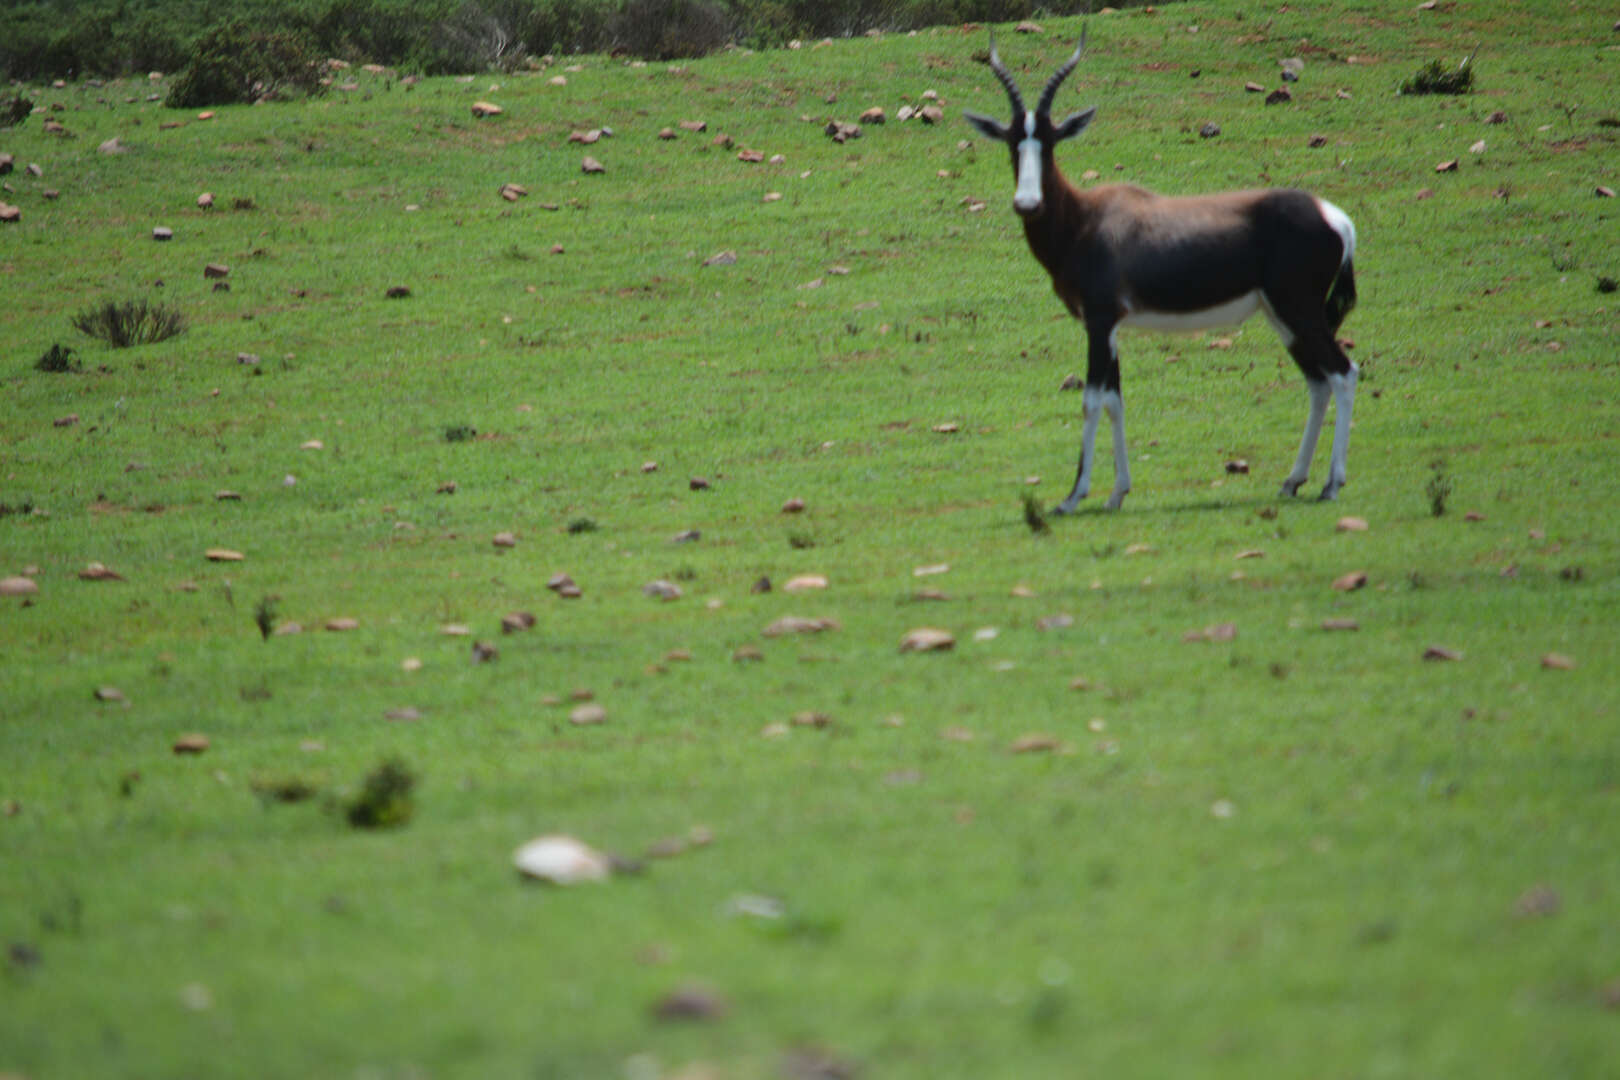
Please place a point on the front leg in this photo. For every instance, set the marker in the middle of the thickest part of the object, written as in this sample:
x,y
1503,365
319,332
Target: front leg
x,y
1101,395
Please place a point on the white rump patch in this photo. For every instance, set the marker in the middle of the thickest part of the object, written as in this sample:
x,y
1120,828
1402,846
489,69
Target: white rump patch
x,y
1342,225
1230,313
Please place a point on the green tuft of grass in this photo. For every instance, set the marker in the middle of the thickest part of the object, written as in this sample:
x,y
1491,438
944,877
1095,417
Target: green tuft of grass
x,y
384,800
1435,78
126,323
58,359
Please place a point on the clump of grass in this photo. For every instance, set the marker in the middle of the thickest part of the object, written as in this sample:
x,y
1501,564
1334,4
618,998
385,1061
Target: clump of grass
x,y
800,541
264,616
582,525
1034,516
384,801
58,358
1439,490
1435,78
15,110
130,322
459,432
285,789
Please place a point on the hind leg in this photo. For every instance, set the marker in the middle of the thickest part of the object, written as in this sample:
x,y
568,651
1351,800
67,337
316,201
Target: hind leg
x,y
1328,374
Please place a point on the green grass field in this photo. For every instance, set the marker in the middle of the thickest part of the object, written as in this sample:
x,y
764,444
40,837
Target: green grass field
x,y
1298,852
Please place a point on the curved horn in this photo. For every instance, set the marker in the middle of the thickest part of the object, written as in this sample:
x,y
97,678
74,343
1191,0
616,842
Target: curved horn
x,y
1006,78
1049,94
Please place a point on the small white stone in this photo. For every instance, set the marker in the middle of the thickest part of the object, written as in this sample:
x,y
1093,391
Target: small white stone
x,y
561,860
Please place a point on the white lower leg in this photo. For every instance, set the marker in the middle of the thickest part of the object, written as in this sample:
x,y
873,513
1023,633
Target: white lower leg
x,y
1115,407
1091,411
1344,402
1319,391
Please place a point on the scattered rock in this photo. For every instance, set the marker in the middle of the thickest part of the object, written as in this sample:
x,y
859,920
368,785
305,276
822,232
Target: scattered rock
x,y
1557,662
216,271
513,192
931,114
694,126
746,653
1254,88
1279,96
481,109
162,233
223,555
840,132
794,505
927,639
1604,192
1316,142
504,540
798,624
763,585
1446,166
805,583
113,145
191,744
559,582
405,715
1238,467
753,157
1350,582
1351,524
112,694
484,652
874,115
1209,130
1340,624
591,165
585,137
1497,117
66,421
1441,652
589,713
662,590
18,586
1035,742
1250,553
99,572
517,622
561,860
721,258
1060,621
698,483
9,214
1539,901
342,623
667,133
690,1003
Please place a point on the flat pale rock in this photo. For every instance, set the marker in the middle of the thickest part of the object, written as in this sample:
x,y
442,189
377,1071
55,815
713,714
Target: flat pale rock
x,y
1351,524
1557,662
1350,582
191,744
481,109
805,583
223,555
1441,652
18,586
561,860
590,713
798,624
927,639
342,623
591,165
663,590
504,540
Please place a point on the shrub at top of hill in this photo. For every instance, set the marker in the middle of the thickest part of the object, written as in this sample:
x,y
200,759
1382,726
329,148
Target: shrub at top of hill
x,y
233,63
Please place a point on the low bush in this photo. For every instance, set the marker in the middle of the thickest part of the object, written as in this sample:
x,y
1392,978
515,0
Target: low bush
x,y
234,63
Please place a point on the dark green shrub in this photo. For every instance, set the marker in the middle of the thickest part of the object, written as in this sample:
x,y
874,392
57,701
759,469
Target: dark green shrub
x,y
58,359
130,322
671,29
384,801
234,63
15,110
1434,78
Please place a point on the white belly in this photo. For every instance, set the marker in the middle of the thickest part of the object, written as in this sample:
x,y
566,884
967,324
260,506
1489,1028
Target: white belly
x,y
1228,314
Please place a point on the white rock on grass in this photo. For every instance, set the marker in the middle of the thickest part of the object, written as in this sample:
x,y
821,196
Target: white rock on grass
x,y
561,860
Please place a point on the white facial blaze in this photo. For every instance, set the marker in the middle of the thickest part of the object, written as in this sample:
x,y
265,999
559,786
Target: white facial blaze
x,y
1027,199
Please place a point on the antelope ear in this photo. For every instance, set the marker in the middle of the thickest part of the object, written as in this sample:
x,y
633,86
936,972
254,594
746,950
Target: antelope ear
x,y
1074,125
992,129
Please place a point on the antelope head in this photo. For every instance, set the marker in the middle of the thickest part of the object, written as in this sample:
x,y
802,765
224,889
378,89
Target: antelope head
x,y
1032,136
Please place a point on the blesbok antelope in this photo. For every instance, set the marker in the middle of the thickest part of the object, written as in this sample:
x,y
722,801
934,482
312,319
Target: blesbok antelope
x,y
1120,255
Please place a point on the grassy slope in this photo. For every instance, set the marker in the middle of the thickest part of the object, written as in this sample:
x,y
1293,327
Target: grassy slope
x,y
952,909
